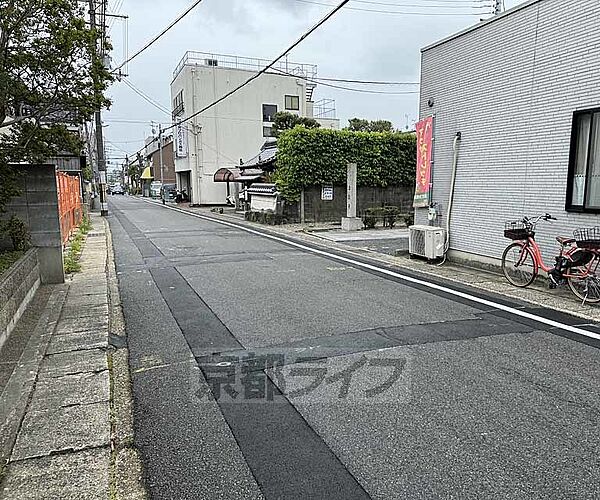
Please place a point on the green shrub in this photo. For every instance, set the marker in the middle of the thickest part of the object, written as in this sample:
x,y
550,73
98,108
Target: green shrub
x,y
71,263
312,157
18,232
85,225
71,260
369,221
7,259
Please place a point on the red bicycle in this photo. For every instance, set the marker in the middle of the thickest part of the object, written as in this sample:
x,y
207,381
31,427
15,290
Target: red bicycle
x,y
577,263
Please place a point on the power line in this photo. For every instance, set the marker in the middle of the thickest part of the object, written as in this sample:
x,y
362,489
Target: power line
x,y
421,2
445,5
377,11
179,18
364,82
129,120
126,142
146,97
264,70
116,8
362,91
162,108
113,144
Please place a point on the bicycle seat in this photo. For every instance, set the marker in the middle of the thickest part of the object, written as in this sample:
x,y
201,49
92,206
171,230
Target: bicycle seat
x,y
565,241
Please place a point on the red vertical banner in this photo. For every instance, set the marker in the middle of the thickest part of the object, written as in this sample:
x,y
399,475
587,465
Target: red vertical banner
x,y
424,149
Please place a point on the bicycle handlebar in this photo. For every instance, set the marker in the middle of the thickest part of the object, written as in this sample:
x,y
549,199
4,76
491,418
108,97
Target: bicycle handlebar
x,y
533,222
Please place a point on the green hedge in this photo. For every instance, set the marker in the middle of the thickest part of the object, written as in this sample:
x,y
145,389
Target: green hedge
x,y
311,157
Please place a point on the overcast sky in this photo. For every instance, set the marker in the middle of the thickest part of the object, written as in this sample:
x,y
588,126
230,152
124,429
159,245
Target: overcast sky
x,y
354,44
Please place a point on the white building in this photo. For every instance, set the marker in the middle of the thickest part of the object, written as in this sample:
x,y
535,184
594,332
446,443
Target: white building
x,y
523,89
233,130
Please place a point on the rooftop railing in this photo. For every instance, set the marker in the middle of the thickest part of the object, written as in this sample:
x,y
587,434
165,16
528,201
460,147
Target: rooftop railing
x,y
244,63
325,108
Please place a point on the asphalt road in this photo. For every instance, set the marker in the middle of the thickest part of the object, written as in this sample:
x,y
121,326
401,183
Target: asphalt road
x,y
262,370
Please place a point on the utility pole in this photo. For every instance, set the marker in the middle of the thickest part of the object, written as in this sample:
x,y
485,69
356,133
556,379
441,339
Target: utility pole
x,y
162,167
98,116
141,166
499,7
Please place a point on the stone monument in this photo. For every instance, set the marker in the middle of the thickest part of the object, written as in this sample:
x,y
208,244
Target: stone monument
x,y
351,222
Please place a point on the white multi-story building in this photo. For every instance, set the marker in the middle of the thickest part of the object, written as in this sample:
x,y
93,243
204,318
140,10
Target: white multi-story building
x,y
233,130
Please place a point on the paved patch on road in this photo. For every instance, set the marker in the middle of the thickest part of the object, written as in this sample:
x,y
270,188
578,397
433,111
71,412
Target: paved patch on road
x,y
187,448
509,416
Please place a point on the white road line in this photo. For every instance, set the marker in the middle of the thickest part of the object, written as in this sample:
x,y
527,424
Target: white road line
x,y
433,286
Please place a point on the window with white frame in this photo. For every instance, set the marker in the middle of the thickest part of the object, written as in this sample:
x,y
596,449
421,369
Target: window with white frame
x,y
583,188
292,102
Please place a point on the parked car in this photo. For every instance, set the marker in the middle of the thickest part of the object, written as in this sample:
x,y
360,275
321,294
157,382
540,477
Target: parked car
x,y
170,190
155,187
117,189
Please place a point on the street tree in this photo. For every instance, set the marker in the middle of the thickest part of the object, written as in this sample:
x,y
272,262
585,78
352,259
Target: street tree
x,y
286,121
134,172
362,125
50,82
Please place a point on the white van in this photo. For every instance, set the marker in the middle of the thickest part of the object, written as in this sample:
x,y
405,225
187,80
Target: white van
x,y
155,187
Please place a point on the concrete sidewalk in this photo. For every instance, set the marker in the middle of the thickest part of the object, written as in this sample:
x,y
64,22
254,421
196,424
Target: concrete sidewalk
x,y
75,436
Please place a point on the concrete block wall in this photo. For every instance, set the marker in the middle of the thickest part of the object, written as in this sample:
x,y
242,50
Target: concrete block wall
x,y
317,210
511,86
17,287
38,207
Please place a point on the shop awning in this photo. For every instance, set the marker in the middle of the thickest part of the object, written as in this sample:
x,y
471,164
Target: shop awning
x,y
147,174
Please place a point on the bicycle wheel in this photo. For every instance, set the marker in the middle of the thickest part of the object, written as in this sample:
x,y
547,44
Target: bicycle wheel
x,y
586,287
518,265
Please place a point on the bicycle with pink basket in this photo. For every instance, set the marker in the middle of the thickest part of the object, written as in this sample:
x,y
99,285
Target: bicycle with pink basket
x,y
577,263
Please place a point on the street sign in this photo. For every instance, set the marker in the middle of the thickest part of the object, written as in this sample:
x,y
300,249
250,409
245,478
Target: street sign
x,y
327,193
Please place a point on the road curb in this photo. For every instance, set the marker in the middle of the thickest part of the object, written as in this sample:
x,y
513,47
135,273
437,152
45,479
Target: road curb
x,y
126,475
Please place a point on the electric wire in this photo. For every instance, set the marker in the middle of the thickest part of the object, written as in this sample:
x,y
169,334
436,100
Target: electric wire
x,y
378,11
165,110
445,5
363,82
266,68
341,87
157,37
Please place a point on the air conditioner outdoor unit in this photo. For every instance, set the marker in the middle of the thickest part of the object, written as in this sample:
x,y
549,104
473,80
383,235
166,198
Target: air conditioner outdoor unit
x,y
426,241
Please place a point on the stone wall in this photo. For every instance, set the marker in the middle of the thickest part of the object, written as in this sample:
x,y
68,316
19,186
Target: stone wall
x,y
17,287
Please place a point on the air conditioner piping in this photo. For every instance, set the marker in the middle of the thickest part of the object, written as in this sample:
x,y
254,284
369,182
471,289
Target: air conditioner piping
x,y
455,148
